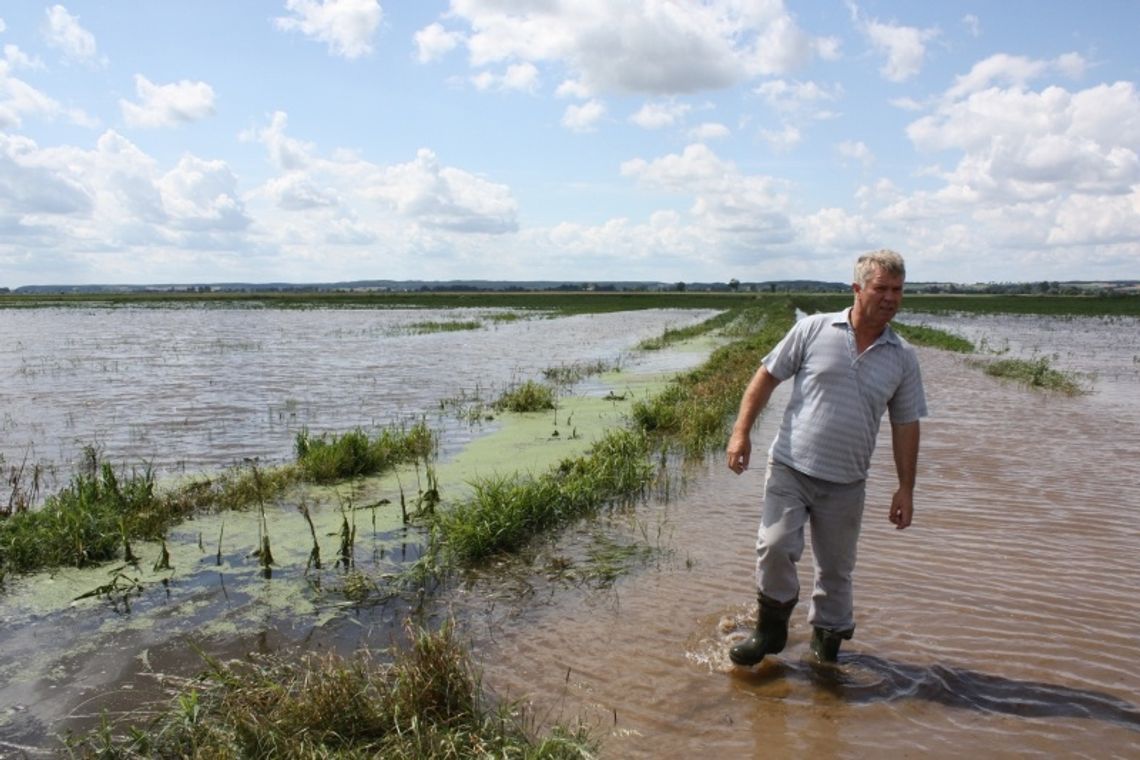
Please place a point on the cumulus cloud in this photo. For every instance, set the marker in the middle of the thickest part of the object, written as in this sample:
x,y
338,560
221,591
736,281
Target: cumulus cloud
x,y
346,26
64,32
903,46
433,42
709,130
658,47
167,105
801,100
857,151
519,77
744,209
583,118
659,115
973,24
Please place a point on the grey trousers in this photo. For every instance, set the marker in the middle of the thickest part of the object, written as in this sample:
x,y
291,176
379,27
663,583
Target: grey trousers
x,y
835,512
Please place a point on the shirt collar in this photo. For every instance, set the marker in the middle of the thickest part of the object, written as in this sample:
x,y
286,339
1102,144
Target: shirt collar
x,y
844,318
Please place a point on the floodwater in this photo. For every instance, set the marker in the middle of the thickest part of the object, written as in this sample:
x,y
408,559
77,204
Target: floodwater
x,y
1005,622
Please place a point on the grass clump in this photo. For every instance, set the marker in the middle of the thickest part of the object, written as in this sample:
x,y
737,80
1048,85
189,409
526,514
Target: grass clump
x,y
426,702
1036,373
530,396
329,458
423,328
506,512
85,523
676,335
921,335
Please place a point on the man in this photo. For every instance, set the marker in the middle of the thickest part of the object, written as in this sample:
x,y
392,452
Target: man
x,y
846,369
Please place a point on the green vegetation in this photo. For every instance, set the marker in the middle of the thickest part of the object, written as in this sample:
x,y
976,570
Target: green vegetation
x,y
427,702
438,327
527,397
1046,305
507,511
330,458
101,511
1037,373
676,335
692,411
921,335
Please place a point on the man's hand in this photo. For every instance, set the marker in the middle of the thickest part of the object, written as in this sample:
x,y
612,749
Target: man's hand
x,y
902,508
739,452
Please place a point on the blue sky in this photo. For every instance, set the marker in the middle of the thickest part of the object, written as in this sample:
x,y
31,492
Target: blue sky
x,y
310,140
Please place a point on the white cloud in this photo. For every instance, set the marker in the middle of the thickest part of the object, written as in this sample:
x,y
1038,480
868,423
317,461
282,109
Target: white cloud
x,y
346,26
573,88
64,32
19,99
167,105
583,118
519,77
286,153
857,151
657,47
783,140
709,130
659,115
743,210
801,100
434,42
18,59
903,46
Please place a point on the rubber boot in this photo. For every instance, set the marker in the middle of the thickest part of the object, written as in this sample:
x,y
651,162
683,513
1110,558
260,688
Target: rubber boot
x,y
771,633
825,644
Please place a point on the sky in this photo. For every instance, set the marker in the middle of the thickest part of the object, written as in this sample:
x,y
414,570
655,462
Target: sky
x,y
584,140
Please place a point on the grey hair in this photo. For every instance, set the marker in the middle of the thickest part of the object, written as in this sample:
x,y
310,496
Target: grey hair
x,y
885,259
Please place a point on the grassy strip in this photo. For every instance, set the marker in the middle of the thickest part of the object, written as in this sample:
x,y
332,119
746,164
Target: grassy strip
x,y
921,335
95,518
426,703
423,328
507,511
676,335
692,410
1037,373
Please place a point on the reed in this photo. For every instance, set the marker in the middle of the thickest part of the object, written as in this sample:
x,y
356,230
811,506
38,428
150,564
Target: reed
x,y
425,701
530,396
329,458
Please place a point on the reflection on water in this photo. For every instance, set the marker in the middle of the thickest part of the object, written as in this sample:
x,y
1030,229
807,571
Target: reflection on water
x,y
1004,622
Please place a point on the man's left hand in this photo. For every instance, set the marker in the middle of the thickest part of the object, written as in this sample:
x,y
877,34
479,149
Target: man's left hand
x,y
902,508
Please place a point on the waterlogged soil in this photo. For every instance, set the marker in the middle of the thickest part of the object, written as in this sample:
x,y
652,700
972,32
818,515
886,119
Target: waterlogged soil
x,y
1004,623
72,657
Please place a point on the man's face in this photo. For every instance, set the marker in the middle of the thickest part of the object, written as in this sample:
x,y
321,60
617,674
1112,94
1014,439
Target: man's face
x,y
878,301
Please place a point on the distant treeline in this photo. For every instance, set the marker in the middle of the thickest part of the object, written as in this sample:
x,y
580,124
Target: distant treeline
x,y
1044,287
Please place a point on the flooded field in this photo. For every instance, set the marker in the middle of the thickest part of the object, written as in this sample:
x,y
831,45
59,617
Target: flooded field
x,y
1004,622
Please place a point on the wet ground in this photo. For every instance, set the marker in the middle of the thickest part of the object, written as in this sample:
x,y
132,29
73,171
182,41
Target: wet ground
x,y
1003,623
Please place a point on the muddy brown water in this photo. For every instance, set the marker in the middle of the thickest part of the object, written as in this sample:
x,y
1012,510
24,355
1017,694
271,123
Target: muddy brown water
x,y
1004,623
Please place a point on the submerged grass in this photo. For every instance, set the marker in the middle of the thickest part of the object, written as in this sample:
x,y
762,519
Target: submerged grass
x,y
424,328
96,516
922,335
530,396
329,458
426,702
506,512
1036,373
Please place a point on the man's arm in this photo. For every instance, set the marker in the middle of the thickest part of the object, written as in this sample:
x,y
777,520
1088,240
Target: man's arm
x,y
904,440
755,398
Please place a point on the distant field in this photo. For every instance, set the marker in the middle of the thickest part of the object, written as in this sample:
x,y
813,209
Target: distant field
x,y
586,302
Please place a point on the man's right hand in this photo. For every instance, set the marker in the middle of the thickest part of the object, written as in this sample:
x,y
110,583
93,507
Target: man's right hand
x,y
739,452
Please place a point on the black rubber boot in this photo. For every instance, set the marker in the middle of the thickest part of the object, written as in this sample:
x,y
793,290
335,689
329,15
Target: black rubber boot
x,y
825,644
771,633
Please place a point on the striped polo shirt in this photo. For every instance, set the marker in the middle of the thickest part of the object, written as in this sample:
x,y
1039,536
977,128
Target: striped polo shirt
x,y
838,396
